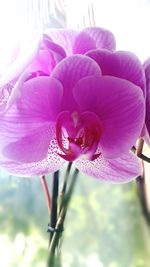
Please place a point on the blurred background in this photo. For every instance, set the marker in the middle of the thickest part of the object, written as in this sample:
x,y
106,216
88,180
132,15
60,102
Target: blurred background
x,y
107,225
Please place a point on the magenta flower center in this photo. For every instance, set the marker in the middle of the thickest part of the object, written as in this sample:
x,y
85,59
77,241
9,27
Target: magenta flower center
x,y
78,134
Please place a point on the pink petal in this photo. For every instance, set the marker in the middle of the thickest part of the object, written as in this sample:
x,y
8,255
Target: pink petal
x,y
47,57
42,62
51,163
29,120
30,148
40,99
64,38
69,71
83,43
119,170
120,64
10,94
120,107
102,37
56,48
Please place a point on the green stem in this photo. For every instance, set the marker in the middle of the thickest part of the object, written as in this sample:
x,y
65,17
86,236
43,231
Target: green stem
x,y
63,191
53,219
60,222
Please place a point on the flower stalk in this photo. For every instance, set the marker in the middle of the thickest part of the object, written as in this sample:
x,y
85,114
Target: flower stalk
x,y
63,191
46,192
138,151
54,251
55,189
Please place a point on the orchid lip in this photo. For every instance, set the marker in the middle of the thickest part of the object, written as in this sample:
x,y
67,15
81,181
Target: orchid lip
x,y
78,135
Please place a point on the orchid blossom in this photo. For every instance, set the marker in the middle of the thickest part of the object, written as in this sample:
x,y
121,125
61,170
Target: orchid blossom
x,y
40,56
78,115
80,42
71,98
64,107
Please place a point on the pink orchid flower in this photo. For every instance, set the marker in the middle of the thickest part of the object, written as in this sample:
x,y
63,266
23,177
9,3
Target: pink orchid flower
x,y
40,56
75,42
35,59
78,115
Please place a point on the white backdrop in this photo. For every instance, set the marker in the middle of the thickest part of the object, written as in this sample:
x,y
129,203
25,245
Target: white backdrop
x,y
129,20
